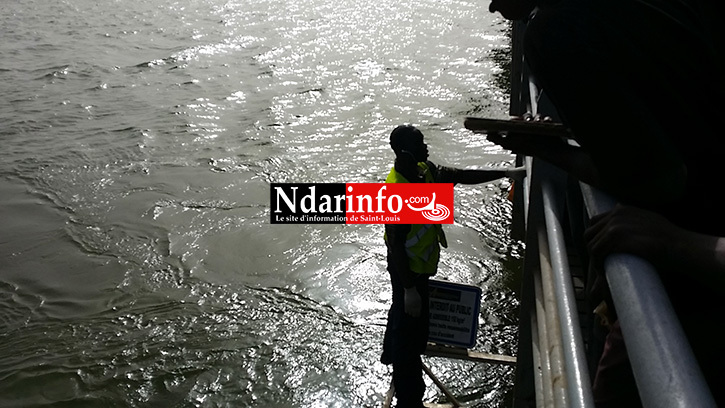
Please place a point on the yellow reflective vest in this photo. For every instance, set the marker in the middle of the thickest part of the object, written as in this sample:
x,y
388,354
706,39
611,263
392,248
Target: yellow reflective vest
x,y
422,244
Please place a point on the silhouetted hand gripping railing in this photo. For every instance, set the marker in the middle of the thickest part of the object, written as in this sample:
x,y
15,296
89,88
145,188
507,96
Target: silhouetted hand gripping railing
x,y
663,363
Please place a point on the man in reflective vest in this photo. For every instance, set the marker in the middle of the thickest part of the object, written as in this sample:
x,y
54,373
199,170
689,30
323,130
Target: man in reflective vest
x,y
413,253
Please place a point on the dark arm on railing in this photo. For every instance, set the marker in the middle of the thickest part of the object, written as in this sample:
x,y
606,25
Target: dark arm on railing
x,y
663,363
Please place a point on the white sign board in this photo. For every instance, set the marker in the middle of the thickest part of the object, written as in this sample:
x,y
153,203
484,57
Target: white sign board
x,y
454,312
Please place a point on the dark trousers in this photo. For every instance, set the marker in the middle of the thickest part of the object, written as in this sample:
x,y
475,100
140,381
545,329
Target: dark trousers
x,y
405,340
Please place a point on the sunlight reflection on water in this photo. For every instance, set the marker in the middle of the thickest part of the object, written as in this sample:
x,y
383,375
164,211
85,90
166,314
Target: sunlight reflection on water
x,y
138,264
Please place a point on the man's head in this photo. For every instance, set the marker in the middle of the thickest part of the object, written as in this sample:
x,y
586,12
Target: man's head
x,y
513,9
407,143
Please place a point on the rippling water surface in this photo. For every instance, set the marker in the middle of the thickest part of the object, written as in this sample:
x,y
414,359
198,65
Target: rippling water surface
x,y
137,264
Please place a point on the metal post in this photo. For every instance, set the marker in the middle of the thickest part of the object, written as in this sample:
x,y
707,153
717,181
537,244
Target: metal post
x,y
578,382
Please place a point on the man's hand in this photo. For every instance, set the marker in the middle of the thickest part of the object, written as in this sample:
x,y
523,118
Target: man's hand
x,y
554,150
515,173
631,230
635,231
412,302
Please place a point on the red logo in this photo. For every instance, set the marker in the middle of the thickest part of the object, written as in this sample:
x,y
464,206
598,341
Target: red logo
x,y
361,203
399,203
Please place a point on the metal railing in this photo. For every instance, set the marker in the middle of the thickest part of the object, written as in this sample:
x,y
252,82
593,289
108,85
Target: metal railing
x,y
552,368
660,348
656,343
549,322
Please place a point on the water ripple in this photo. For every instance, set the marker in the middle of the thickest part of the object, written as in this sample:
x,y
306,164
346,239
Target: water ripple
x,y
140,139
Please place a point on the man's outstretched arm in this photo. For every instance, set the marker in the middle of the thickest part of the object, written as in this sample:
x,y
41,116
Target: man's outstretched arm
x,y
477,176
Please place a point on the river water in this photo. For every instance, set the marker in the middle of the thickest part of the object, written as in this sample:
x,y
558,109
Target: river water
x,y
138,267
